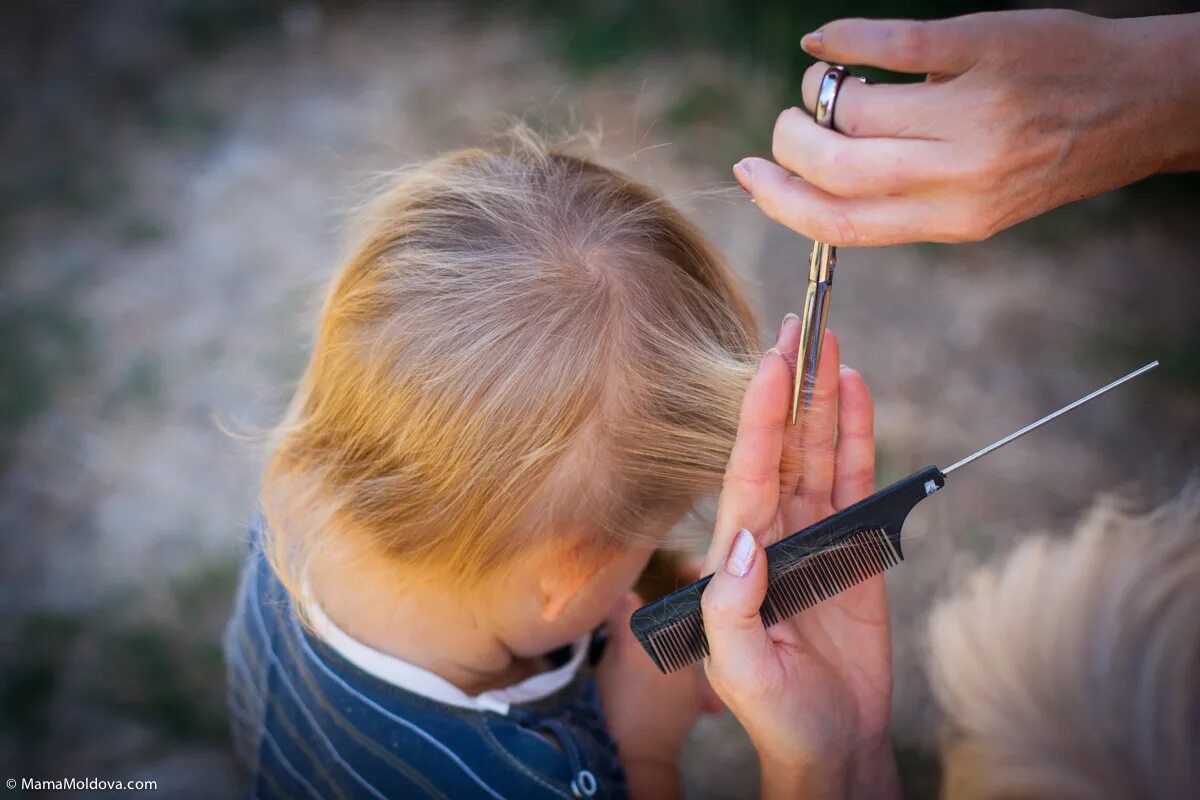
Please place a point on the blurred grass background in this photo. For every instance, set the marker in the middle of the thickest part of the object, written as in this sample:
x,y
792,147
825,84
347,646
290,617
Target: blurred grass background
x,y
175,178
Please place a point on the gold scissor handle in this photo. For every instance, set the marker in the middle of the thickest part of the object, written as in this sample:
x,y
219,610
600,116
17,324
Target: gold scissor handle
x,y
813,321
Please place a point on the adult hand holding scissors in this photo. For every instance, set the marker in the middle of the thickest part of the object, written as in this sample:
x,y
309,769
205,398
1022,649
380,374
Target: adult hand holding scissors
x,y
1021,112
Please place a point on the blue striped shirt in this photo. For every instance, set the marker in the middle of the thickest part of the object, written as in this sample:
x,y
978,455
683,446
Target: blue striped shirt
x,y
310,724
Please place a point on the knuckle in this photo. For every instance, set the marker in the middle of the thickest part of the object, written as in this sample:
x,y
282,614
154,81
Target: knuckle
x,y
811,81
714,606
754,480
822,443
787,114
970,225
1002,104
850,120
769,428
836,172
988,226
822,167
783,138
982,172
859,434
1005,96
787,120
978,175
863,475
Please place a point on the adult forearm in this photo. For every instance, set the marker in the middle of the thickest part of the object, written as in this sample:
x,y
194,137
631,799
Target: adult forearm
x,y
1168,48
1130,101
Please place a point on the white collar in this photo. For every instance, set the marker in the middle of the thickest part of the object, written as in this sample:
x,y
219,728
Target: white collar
x,y
421,681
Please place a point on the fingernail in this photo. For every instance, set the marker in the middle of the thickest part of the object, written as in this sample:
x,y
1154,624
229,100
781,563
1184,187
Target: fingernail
x,y
743,173
813,43
741,555
774,350
788,317
843,368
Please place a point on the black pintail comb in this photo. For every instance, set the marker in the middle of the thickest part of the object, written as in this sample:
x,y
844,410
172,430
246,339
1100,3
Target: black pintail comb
x,y
826,558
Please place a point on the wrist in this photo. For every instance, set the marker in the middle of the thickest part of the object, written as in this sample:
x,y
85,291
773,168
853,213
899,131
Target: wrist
x,y
1183,56
785,777
874,775
1163,58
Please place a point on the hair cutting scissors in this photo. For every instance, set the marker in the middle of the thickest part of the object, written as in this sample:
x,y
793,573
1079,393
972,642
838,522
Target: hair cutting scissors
x,y
820,267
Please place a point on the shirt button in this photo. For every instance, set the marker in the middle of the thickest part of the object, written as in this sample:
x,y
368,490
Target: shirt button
x,y
584,784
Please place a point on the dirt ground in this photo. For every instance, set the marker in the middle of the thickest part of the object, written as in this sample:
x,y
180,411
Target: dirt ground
x,y
178,309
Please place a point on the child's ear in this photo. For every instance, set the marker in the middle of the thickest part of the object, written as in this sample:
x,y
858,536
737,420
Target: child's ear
x,y
565,575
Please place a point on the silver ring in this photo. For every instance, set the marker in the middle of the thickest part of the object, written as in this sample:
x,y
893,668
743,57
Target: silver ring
x,y
827,94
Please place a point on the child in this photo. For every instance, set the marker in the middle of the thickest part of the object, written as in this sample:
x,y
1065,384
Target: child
x,y
527,371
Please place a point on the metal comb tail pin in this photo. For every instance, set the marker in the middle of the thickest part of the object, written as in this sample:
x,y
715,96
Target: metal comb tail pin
x,y
820,561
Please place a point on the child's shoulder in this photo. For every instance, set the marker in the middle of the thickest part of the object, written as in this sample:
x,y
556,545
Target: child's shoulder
x,y
311,722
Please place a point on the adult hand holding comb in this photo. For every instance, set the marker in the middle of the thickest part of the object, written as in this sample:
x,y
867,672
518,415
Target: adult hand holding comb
x,y
814,691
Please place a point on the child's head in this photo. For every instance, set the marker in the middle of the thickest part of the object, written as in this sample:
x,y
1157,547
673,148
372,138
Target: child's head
x,y
526,354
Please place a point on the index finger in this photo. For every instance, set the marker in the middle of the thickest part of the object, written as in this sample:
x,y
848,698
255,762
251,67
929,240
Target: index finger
x,y
942,46
750,494
864,221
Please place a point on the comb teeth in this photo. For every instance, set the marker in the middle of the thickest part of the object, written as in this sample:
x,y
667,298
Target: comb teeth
x,y
818,577
680,643
812,579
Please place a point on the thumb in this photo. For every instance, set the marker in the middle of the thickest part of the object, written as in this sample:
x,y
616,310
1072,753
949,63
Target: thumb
x,y
710,701
737,641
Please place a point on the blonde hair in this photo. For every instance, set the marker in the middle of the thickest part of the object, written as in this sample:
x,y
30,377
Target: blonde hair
x,y
523,343
1073,669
